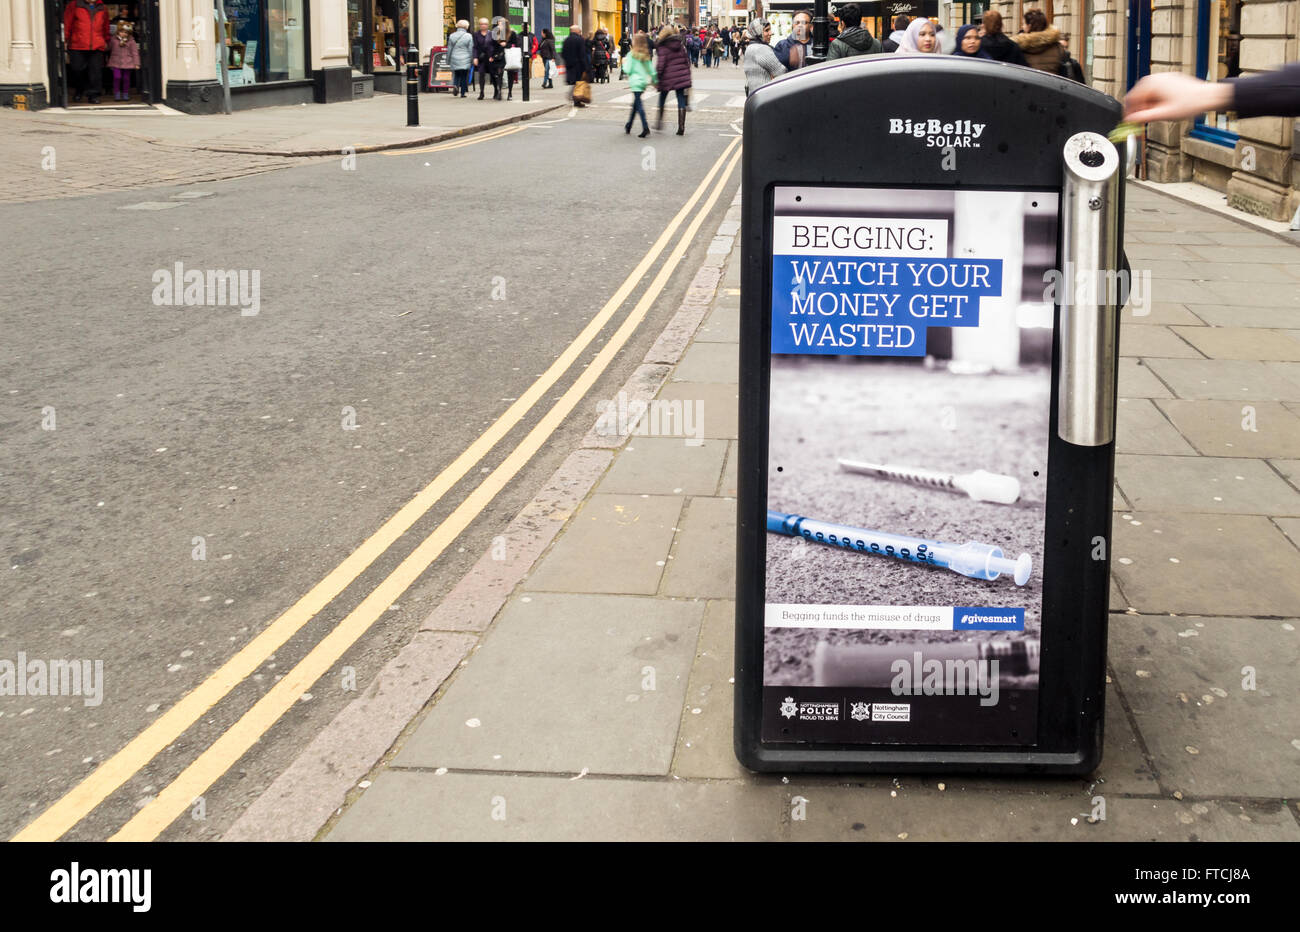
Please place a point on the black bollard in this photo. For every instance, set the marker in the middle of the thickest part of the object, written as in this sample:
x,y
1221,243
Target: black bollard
x,y
820,34
413,86
526,46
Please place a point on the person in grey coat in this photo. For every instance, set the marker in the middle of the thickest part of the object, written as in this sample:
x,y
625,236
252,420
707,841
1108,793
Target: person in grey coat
x,y
460,55
761,63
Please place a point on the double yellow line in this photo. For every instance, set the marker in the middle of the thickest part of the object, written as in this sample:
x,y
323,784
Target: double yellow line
x,y
195,779
460,143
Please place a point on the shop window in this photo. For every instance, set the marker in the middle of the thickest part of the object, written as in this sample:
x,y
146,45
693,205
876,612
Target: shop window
x,y
1217,57
393,29
266,40
358,36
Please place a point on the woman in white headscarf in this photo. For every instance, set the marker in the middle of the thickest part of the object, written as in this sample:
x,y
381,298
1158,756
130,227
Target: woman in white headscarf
x,y
761,63
921,36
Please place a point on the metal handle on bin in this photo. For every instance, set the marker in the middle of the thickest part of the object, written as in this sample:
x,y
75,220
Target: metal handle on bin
x,y
1090,253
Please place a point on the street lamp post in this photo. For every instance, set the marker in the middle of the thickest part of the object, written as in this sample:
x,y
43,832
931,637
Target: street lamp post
x,y
821,33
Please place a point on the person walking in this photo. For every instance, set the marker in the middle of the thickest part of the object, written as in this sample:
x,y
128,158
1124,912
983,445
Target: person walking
x,y
998,46
736,47
640,71
895,39
624,47
85,28
1040,43
460,55
673,69
500,34
761,63
577,62
792,51
921,36
968,43
546,49
853,39
483,52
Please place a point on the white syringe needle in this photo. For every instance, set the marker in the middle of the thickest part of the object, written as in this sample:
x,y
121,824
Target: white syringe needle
x,y
980,485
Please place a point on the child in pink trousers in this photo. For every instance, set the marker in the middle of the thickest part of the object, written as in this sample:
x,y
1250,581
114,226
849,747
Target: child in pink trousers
x,y
123,58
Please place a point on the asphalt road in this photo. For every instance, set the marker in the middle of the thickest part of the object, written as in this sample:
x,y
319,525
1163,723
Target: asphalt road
x,y
423,291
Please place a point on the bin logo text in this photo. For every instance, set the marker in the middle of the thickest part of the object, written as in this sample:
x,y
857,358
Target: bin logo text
x,y
959,134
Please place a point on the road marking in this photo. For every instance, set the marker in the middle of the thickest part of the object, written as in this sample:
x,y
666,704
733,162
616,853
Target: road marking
x,y
78,802
457,143
736,101
195,779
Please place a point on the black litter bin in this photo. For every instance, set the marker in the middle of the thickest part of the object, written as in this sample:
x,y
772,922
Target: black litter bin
x,y
931,282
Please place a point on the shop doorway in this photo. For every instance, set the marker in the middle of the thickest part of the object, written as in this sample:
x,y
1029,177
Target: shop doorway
x,y
143,86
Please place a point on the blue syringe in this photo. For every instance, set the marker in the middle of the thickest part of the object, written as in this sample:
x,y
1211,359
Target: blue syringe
x,y
979,561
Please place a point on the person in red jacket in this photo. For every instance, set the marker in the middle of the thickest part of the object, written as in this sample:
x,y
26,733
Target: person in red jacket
x,y
85,29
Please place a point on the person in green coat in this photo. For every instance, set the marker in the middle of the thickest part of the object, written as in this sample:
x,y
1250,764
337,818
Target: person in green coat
x,y
853,39
640,71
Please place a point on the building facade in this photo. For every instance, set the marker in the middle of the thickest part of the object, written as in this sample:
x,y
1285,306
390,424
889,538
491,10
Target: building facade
x,y
276,51
1251,162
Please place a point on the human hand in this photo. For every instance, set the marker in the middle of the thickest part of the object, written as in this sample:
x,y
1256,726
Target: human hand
x,y
1173,95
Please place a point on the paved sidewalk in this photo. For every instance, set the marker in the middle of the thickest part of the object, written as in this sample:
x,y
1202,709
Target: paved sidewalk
x,y
598,702
309,129
65,153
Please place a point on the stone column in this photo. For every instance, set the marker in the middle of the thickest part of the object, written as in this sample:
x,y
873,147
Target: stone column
x,y
1261,181
1110,43
23,77
1164,155
187,39
330,69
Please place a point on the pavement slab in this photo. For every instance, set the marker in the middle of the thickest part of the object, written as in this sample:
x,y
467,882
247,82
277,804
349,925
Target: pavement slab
x,y
405,805
1243,380
925,813
1136,380
1218,315
1146,340
616,543
1242,342
709,362
704,742
1216,485
721,326
1142,428
1158,313
703,563
666,466
1226,564
1228,428
1214,700
566,682
718,406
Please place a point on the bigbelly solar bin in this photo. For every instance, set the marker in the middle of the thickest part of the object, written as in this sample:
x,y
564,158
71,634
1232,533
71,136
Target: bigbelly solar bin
x,y
931,282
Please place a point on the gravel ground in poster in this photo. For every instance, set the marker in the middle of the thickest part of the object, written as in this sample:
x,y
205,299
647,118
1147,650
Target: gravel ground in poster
x,y
913,413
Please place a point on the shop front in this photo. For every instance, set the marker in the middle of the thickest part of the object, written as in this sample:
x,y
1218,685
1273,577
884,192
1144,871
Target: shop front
x,y
1249,162
379,34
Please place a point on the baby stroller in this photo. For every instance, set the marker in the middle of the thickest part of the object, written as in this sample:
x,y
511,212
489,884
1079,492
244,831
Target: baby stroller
x,y
600,63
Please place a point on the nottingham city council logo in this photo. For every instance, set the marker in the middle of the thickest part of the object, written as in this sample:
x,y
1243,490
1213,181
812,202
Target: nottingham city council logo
x,y
860,711
789,707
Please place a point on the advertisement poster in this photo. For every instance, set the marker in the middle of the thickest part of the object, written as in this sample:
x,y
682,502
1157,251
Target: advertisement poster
x,y
910,391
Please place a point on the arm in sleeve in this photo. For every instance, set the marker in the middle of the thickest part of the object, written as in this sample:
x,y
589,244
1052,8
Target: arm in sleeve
x,y
1276,93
